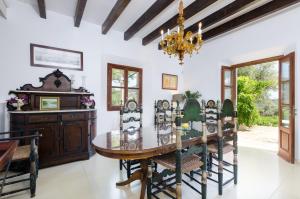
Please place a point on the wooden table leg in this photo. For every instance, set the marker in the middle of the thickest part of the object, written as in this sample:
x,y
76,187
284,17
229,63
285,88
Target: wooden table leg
x,y
141,175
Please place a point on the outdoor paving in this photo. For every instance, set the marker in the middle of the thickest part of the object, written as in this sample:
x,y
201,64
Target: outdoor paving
x,y
260,137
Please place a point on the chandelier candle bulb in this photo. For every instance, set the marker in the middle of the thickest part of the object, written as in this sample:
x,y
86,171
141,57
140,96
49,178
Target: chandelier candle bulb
x,y
168,31
200,28
162,34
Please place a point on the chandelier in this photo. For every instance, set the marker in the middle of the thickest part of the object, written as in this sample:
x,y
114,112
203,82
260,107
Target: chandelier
x,y
178,43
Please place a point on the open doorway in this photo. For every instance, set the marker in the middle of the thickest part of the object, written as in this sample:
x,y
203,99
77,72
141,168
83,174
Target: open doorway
x,y
257,104
286,101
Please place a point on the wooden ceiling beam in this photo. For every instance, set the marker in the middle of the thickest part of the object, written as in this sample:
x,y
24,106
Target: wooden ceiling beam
x,y
219,15
42,8
157,7
114,14
79,12
189,11
3,9
248,17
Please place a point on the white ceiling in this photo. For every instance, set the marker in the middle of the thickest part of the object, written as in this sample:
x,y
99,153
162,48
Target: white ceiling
x,y
96,12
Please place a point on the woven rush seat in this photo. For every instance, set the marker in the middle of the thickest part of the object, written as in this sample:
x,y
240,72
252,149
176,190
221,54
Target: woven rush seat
x,y
22,153
213,148
189,163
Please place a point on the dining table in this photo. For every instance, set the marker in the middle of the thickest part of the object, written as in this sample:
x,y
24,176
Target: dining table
x,y
143,144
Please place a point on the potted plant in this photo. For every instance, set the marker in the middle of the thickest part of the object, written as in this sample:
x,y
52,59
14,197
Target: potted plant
x,y
87,102
17,102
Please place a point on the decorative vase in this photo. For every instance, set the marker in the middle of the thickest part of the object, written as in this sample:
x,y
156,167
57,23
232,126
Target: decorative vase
x,y
88,105
20,103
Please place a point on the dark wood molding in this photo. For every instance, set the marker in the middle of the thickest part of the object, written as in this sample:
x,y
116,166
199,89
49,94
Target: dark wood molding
x,y
157,7
79,12
221,14
32,46
42,8
189,11
259,61
110,66
248,17
114,14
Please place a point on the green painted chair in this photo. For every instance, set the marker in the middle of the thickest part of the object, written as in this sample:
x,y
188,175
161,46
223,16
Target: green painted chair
x,y
130,120
183,161
163,113
226,142
25,159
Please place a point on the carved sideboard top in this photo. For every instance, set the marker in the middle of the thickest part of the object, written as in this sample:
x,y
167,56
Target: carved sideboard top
x,y
55,82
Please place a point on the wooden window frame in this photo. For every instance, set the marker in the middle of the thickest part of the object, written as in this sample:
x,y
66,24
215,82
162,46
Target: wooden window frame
x,y
110,66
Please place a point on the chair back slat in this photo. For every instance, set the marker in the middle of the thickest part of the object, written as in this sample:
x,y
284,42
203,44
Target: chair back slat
x,y
163,112
131,116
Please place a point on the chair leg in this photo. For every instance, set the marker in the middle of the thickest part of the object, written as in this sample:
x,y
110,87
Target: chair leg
x,y
220,177
121,164
155,167
235,169
128,168
4,178
149,180
210,161
33,177
192,175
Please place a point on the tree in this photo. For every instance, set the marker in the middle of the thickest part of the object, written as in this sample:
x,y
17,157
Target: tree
x,y
249,91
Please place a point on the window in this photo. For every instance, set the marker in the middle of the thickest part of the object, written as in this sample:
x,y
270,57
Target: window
x,y
123,83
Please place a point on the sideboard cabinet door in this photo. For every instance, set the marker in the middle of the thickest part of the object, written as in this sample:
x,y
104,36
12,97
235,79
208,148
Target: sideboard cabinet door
x,y
49,142
74,137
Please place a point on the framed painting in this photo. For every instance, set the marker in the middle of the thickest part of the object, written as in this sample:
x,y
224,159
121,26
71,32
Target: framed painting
x,y
49,103
50,57
169,82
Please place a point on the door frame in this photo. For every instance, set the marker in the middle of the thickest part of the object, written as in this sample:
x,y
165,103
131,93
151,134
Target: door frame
x,y
234,89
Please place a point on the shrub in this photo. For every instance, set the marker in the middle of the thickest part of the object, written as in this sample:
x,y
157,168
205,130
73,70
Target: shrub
x,y
267,121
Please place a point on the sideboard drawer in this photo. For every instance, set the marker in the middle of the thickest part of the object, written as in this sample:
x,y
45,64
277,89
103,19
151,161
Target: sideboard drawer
x,y
73,116
42,118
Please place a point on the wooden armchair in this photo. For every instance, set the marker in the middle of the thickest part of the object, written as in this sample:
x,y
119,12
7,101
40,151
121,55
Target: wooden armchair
x,y
26,152
185,159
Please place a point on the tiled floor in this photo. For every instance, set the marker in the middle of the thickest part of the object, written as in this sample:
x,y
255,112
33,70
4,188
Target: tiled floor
x,y
262,175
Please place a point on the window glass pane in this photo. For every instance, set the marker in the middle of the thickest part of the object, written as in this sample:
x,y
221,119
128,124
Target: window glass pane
x,y
285,92
133,79
227,78
285,71
133,94
227,94
117,77
285,121
117,96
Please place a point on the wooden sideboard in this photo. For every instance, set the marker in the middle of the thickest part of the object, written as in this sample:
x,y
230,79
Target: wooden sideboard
x,y
67,133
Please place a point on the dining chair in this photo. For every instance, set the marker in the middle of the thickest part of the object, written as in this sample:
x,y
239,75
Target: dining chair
x,y
226,142
182,161
130,120
24,162
163,112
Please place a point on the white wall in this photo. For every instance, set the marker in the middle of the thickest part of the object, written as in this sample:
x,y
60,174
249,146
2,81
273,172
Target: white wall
x,y
272,36
24,26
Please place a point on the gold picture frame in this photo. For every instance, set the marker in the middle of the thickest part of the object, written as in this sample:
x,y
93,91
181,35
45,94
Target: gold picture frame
x,y
49,103
169,82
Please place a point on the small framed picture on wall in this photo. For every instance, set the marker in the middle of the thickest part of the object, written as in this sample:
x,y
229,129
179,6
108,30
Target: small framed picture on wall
x,y
169,82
